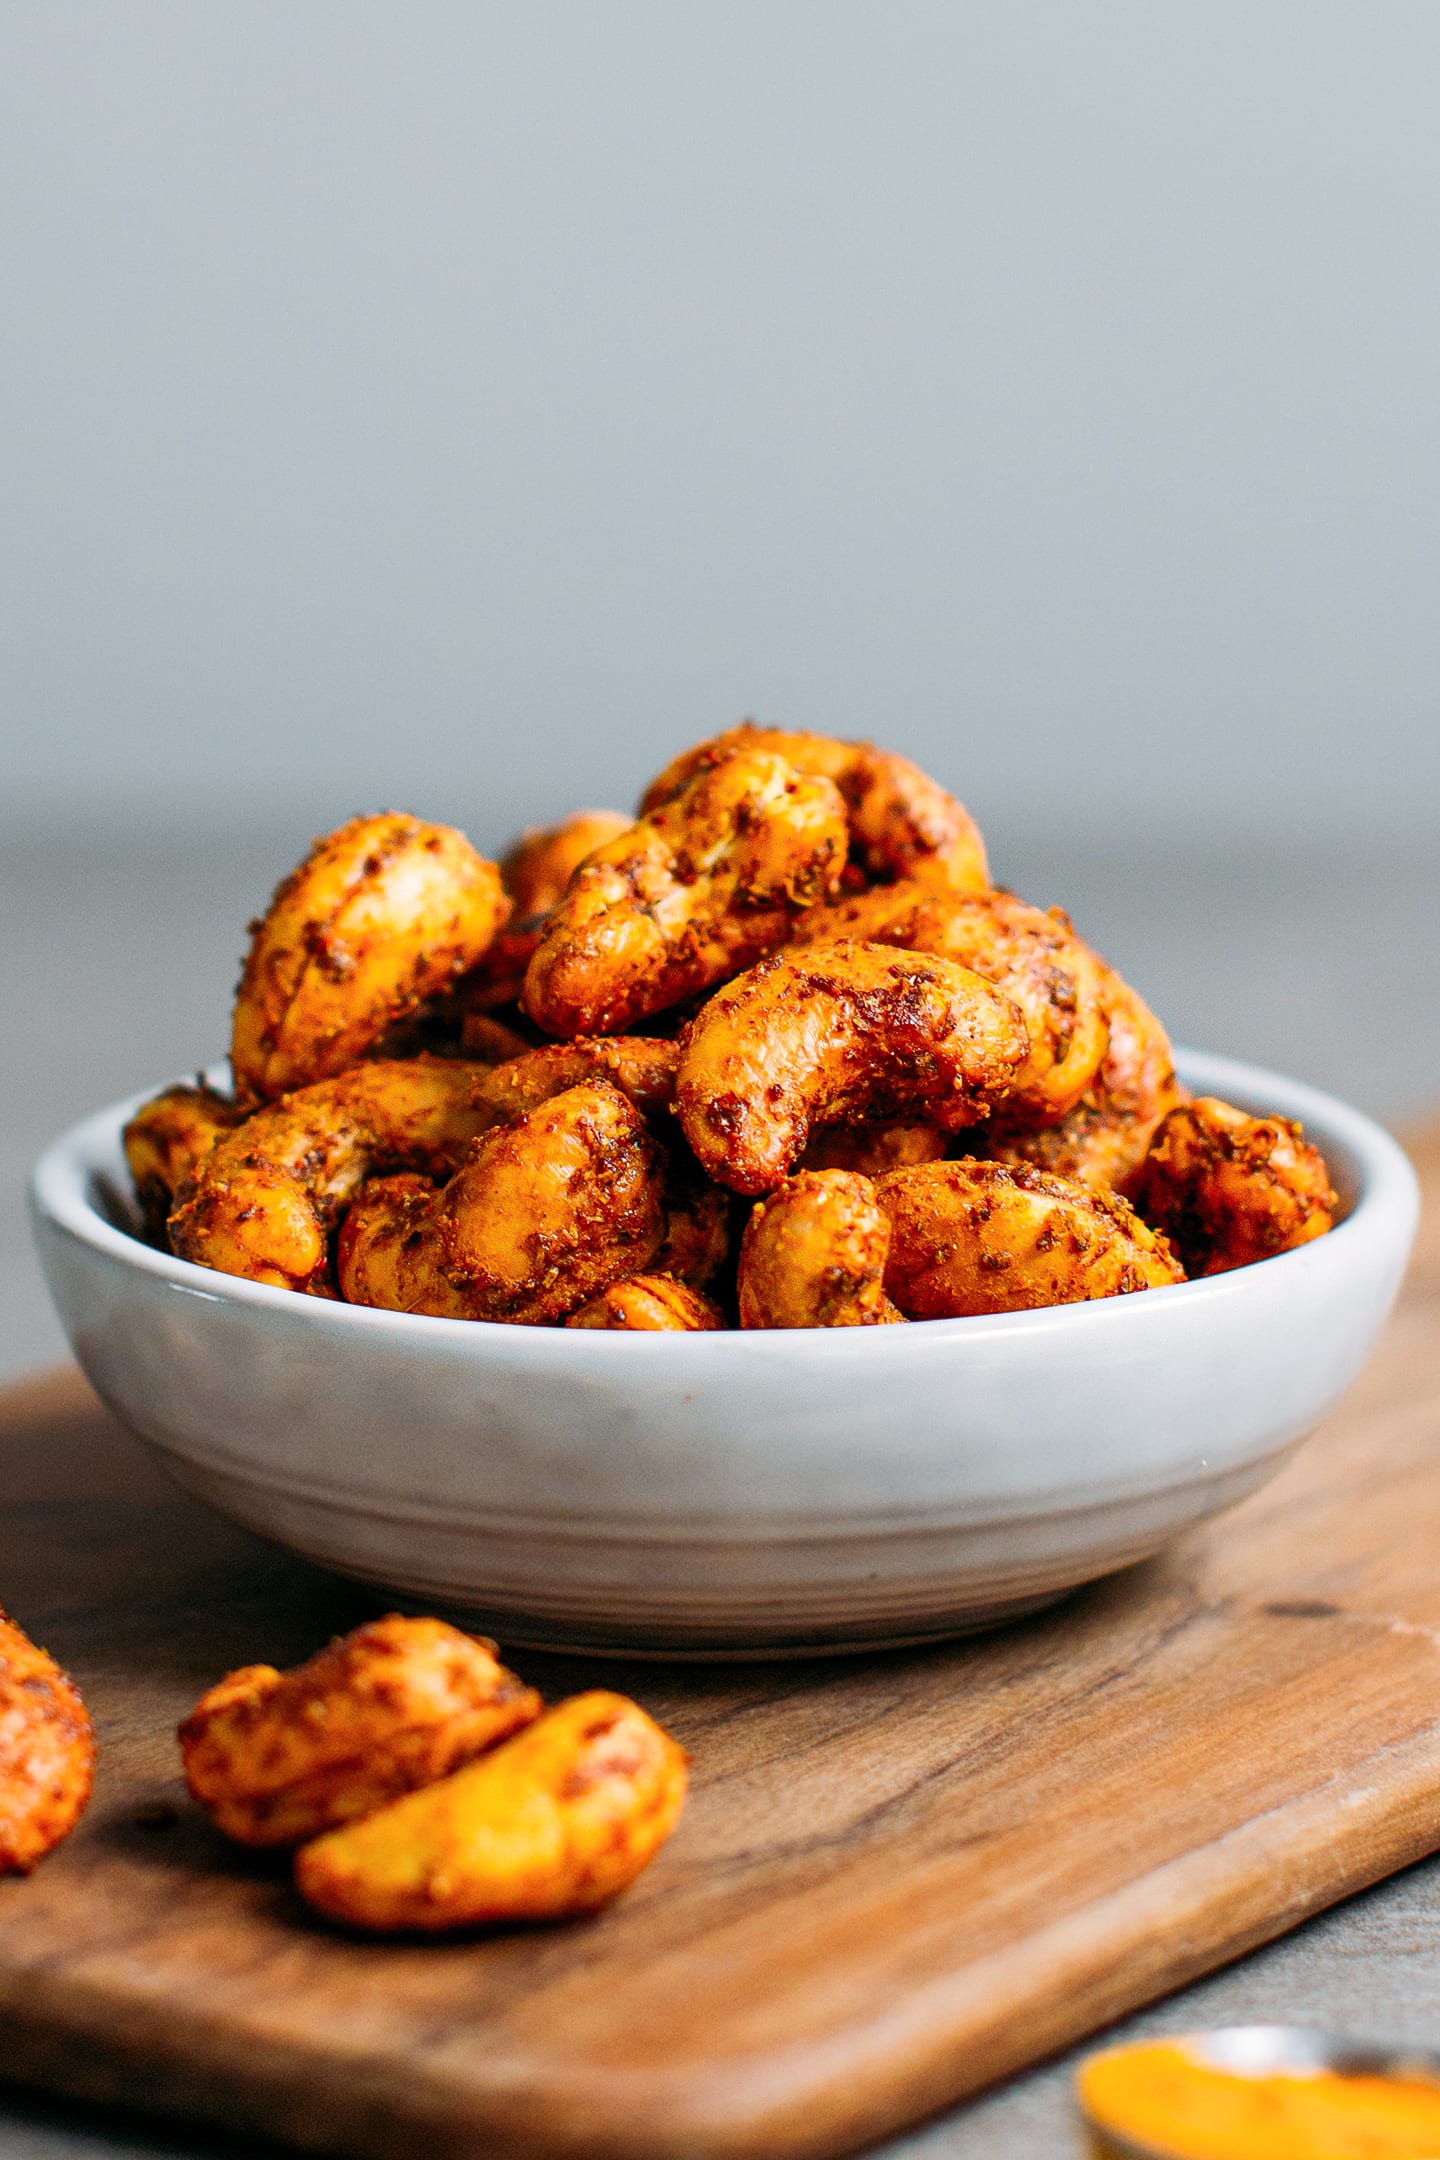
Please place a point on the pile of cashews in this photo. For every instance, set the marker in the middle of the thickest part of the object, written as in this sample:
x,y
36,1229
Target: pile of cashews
x,y
771,1053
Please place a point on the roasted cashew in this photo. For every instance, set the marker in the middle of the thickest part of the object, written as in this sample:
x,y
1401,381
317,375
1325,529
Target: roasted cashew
x,y
978,1237
1228,1189
550,1208
1103,1140
1034,957
813,1255
651,1304
694,892
387,1252
902,823
381,915
536,871
643,1067
544,1212
275,1758
165,1140
558,1820
697,1232
263,1201
47,1752
836,1034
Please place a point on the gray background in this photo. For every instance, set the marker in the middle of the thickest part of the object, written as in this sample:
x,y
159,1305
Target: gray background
x,y
454,404
460,407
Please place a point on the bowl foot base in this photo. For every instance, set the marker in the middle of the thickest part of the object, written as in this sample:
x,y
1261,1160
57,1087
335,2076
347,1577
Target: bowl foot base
x,y
518,1631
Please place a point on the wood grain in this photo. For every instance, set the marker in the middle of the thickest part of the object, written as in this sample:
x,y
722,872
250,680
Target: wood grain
x,y
900,1876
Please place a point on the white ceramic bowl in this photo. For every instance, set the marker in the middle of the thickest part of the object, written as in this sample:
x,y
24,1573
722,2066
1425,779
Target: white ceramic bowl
x,y
724,1494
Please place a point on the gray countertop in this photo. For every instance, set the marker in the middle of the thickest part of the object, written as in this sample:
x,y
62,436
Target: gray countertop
x,y
119,955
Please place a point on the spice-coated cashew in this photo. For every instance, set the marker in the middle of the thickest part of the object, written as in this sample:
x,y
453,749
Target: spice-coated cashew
x,y
902,823
642,1067
558,1820
1228,1189
544,1212
47,1752
1034,957
381,915
275,1758
834,1034
694,892
978,1237
536,871
388,1253
813,1255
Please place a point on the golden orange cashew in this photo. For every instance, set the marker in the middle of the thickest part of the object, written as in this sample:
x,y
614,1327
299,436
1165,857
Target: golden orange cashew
x,y
813,1255
536,871
550,1208
382,914
1033,956
697,1234
47,1752
166,1139
1104,1139
839,1034
262,1203
544,1212
902,823
556,1821
692,893
388,1255
275,1758
649,1304
978,1237
1228,1189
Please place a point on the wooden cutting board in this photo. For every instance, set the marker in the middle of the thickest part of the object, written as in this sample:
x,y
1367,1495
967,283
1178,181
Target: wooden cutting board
x,y
899,1877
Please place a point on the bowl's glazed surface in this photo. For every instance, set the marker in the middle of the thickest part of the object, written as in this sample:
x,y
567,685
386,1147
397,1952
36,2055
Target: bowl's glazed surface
x,y
728,1494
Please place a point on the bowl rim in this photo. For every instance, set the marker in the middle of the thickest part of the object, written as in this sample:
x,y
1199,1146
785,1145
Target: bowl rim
x,y
1387,1193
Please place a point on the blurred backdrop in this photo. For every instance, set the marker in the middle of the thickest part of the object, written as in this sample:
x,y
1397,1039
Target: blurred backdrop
x,y
460,406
